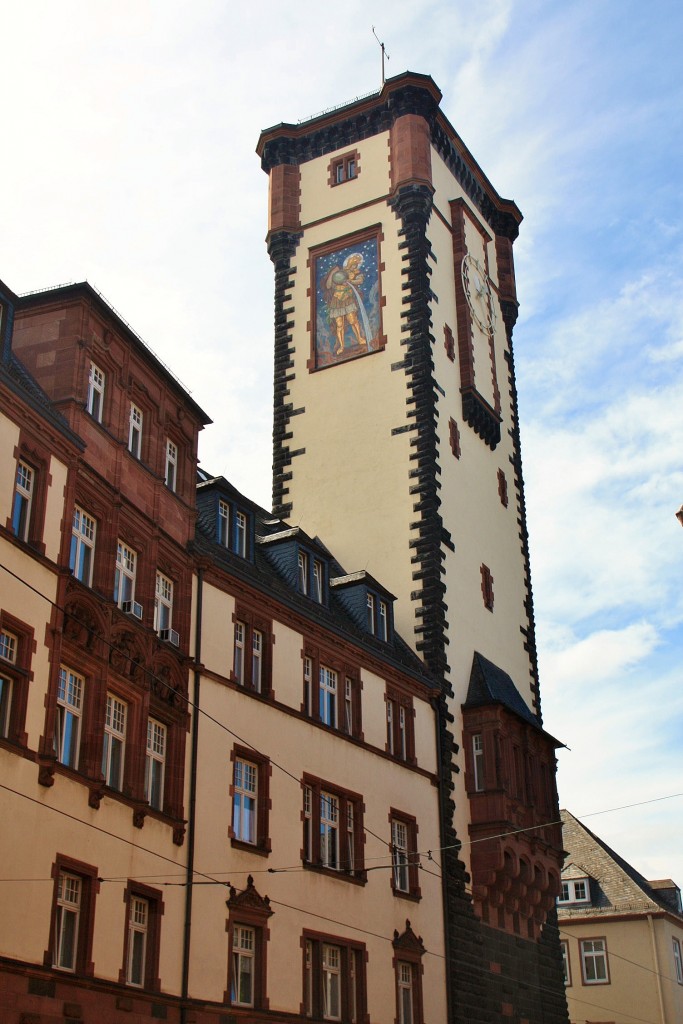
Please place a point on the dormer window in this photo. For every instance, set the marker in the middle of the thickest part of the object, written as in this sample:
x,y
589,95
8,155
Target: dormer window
x,y
318,581
303,572
233,529
371,612
378,616
575,890
311,576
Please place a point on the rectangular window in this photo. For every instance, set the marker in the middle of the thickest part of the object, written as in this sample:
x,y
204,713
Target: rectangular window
x,y
594,961
333,829
5,702
16,643
400,735
242,969
404,981
223,523
678,962
124,577
478,762
244,801
371,613
383,621
95,403
114,742
82,553
348,706
68,717
135,432
138,927
318,581
575,890
171,464
155,764
343,169
404,855
251,652
163,605
240,534
23,498
67,921
566,971
328,697
334,979
303,572
308,686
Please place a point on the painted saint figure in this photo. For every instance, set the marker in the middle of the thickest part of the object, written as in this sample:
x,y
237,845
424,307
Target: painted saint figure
x,y
344,302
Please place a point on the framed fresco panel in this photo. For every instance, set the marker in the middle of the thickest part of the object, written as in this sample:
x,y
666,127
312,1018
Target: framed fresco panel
x,y
346,299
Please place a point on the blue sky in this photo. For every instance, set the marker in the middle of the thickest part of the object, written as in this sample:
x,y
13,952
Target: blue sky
x,y
128,159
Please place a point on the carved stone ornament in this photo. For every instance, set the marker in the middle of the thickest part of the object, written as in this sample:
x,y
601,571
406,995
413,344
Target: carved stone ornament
x,y
249,899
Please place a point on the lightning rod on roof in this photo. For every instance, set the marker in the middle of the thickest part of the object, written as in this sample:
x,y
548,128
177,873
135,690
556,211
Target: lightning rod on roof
x,y
383,51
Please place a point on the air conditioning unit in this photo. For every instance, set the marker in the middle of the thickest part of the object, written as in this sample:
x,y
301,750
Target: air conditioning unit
x,y
170,635
132,608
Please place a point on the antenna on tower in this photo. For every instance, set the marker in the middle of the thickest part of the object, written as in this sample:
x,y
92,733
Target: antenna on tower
x,y
383,51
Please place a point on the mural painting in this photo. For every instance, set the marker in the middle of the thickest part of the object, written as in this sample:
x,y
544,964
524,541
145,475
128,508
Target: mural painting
x,y
347,302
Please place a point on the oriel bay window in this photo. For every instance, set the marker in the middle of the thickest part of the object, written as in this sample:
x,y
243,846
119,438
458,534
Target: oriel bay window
x,y
333,829
331,691
251,651
334,984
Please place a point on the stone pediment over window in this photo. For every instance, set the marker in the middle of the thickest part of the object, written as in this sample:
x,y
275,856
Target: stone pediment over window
x,y
249,899
408,941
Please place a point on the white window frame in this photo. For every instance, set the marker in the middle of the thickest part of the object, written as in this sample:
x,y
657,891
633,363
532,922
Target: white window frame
x,y
328,702
575,890
114,743
329,831
370,602
594,952
82,551
240,540
348,705
331,982
256,659
24,489
318,580
135,422
405,984
125,574
245,801
163,603
383,621
402,733
243,965
302,562
67,921
238,657
155,763
9,645
223,523
400,835
68,716
171,475
678,960
95,401
138,940
566,967
308,685
478,761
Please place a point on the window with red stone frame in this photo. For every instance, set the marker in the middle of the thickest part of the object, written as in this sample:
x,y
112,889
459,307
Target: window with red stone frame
x,y
142,936
252,650
29,528
16,647
334,978
405,864
407,964
343,168
322,669
72,917
248,935
333,837
487,587
400,716
250,800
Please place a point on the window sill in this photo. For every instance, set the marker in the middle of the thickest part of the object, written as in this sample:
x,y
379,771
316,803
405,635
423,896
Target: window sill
x,y
360,878
414,897
261,849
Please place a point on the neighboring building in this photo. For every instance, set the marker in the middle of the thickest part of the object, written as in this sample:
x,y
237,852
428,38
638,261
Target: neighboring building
x,y
396,439
622,936
233,777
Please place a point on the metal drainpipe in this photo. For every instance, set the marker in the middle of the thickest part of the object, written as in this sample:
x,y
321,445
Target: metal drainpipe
x,y
653,939
444,884
187,930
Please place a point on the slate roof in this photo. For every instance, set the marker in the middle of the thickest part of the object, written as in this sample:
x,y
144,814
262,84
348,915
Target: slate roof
x,y
263,575
15,376
491,685
616,888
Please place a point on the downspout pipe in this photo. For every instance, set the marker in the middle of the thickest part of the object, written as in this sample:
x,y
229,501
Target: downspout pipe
x,y
194,742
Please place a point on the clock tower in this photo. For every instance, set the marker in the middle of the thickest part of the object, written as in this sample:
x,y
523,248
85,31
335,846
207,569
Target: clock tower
x,y
396,441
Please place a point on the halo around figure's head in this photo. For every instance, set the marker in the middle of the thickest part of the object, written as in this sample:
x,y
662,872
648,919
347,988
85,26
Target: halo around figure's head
x,y
355,258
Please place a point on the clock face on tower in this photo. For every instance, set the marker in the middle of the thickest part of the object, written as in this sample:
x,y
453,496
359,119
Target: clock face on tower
x,y
478,293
